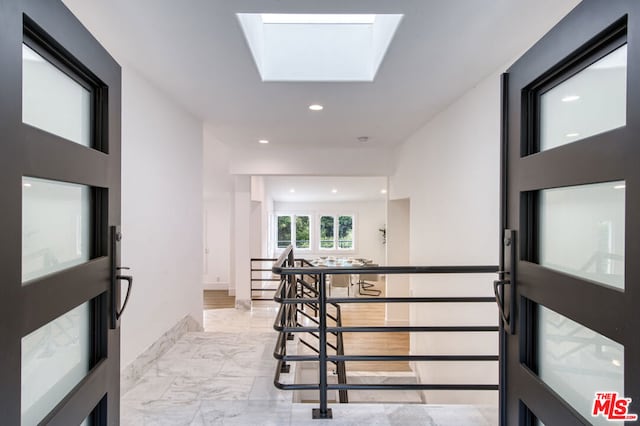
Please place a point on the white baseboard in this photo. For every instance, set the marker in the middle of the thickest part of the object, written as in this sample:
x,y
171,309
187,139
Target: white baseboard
x,y
133,372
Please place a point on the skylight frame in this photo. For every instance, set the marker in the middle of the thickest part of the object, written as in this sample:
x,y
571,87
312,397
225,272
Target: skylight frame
x,y
318,18
333,48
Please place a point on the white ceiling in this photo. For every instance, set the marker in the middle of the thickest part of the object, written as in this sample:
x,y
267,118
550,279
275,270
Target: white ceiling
x,y
319,189
196,52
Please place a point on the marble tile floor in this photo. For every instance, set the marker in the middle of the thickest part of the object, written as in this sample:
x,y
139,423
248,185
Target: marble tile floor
x,y
224,376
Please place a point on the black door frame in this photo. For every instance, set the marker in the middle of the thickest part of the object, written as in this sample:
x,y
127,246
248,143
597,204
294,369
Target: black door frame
x,y
50,28
577,40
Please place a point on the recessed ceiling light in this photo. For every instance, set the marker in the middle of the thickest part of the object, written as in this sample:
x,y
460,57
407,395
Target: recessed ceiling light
x,y
27,185
572,135
335,191
570,98
292,190
316,107
317,18
383,191
263,141
623,186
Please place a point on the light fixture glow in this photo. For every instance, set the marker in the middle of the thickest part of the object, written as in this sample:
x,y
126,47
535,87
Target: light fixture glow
x,y
27,185
570,98
616,362
572,135
316,107
317,18
623,186
335,191
292,190
263,141
383,191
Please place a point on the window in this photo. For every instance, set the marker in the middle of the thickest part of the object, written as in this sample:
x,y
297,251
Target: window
x,y
293,225
326,232
284,231
345,232
302,232
344,226
332,232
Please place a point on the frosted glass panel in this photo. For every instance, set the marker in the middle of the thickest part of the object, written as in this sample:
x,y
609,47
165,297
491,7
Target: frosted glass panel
x,y
52,101
56,225
577,362
591,102
582,231
54,360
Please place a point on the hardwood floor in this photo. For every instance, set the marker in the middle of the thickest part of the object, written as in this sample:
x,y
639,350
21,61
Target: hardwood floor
x,y
373,314
218,299
353,314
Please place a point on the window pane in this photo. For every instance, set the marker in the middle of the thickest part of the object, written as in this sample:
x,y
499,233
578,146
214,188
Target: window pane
x,y
284,231
55,358
591,102
345,232
577,362
53,101
326,232
56,226
302,231
582,231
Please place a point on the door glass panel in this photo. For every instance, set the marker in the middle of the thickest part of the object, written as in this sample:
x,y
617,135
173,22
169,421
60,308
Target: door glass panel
x,y
582,231
55,358
53,101
591,102
577,362
56,223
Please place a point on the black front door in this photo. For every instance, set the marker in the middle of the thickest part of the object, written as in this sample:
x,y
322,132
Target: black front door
x,y
60,199
571,107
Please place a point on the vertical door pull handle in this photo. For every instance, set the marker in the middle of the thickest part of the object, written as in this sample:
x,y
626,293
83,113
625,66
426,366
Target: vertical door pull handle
x,y
129,280
500,300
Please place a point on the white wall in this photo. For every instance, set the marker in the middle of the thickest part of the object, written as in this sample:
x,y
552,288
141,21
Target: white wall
x,y
322,161
217,240
398,240
218,194
450,171
241,225
369,217
161,213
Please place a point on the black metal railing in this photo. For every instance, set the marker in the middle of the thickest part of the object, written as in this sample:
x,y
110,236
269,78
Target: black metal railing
x,y
295,293
261,282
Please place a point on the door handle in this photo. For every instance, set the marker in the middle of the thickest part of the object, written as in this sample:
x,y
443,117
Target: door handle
x,y
504,286
129,280
497,285
115,308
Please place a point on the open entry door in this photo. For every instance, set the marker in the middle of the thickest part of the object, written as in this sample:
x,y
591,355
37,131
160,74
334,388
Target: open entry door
x,y
570,293
60,208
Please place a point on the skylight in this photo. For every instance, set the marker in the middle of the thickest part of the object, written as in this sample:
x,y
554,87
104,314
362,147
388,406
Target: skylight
x,y
318,47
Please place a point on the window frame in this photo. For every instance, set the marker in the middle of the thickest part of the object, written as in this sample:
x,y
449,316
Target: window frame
x,y
336,233
292,227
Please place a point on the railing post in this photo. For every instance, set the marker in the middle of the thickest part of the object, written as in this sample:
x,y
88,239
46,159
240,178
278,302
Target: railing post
x,y
292,294
284,367
323,412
